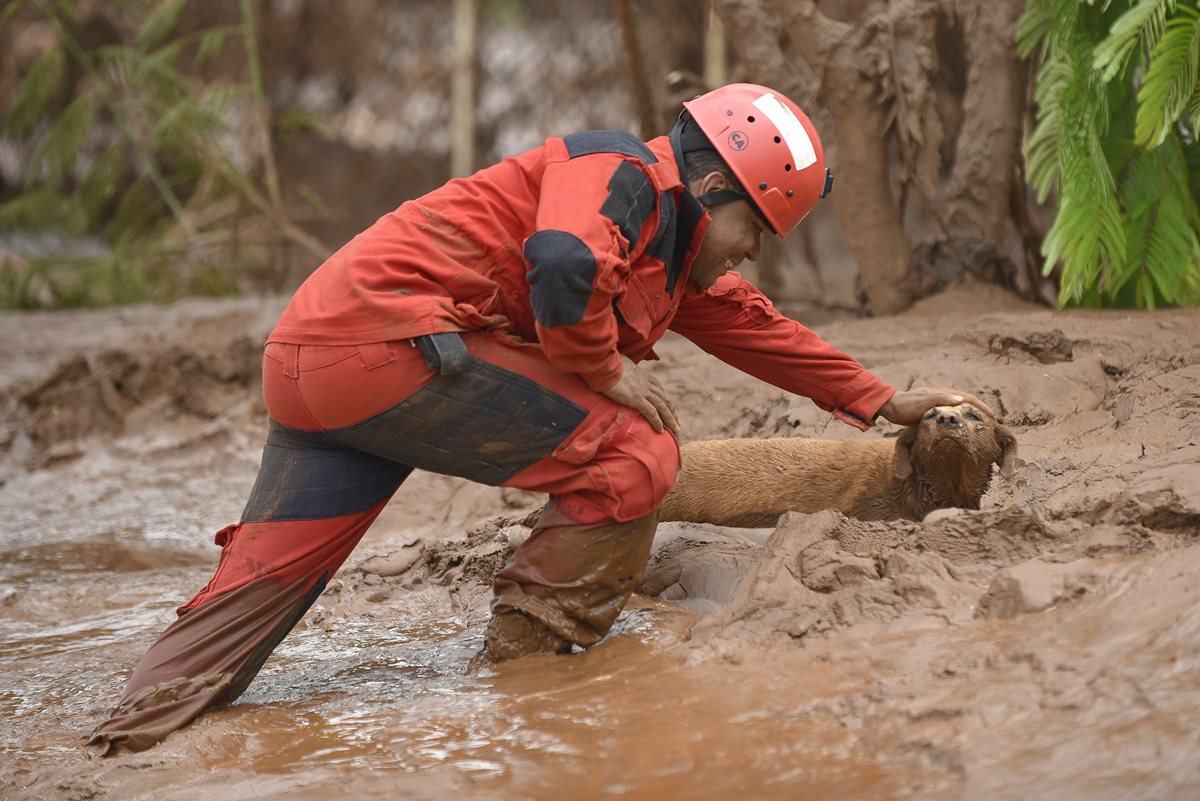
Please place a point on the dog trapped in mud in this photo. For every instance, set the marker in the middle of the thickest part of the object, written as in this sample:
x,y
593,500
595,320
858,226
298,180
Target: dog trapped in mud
x,y
943,461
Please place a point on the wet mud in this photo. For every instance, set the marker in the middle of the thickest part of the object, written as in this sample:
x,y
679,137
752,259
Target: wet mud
x,y
1046,645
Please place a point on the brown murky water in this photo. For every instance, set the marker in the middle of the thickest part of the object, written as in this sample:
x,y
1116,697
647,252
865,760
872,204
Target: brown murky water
x,y
378,704
1047,646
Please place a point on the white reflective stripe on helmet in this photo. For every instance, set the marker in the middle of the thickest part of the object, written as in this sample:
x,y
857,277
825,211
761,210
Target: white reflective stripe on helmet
x,y
790,129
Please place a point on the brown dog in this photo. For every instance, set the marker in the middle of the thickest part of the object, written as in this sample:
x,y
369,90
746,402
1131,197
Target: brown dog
x,y
945,460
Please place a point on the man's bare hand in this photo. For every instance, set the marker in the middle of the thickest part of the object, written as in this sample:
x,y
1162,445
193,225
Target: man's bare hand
x,y
909,406
640,390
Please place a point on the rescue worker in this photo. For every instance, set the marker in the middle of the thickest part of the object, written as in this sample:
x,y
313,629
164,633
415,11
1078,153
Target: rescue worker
x,y
492,330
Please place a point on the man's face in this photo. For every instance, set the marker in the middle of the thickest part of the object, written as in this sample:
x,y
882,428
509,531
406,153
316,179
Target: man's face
x,y
732,238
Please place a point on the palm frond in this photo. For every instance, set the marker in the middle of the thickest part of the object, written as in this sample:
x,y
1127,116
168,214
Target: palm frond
x,y
137,214
1169,247
100,185
117,65
10,11
297,119
190,117
1160,228
59,148
38,209
1143,22
33,95
1087,234
1041,151
1044,22
1171,78
158,24
1115,94
158,77
210,45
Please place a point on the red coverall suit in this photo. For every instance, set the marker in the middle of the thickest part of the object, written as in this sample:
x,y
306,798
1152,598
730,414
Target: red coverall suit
x,y
533,277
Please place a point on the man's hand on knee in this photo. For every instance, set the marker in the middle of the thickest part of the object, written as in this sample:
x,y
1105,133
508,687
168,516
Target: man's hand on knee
x,y
640,390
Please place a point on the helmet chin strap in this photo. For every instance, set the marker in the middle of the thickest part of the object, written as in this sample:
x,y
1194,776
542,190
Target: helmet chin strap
x,y
686,137
719,196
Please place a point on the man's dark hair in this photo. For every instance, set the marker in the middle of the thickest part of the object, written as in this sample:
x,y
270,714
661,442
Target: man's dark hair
x,y
699,163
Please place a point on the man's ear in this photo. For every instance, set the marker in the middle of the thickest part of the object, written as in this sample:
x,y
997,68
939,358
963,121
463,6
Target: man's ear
x,y
902,460
1007,458
712,182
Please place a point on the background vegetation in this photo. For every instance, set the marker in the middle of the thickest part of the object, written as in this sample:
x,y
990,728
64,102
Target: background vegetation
x,y
1118,114
148,178
151,149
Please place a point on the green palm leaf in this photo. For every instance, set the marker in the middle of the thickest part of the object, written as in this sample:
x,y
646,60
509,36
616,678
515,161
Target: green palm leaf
x,y
59,148
1045,21
33,95
1143,22
100,186
159,23
37,209
1110,91
210,44
1171,78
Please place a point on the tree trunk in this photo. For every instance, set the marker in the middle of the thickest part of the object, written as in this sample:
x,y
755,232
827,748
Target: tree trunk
x,y
638,83
919,104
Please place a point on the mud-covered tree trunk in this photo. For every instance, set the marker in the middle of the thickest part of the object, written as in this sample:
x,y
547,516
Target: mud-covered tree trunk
x,y
919,103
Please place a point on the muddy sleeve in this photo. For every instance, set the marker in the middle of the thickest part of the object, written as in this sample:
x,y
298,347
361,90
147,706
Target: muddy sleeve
x,y
736,323
591,220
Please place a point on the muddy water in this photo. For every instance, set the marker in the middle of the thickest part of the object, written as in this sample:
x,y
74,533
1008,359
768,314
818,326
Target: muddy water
x,y
1045,646
378,704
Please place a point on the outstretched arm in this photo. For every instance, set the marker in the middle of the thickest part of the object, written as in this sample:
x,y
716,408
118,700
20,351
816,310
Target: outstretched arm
x,y
738,324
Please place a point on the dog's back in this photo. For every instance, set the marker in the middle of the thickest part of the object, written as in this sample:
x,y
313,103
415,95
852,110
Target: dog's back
x,y
944,460
749,482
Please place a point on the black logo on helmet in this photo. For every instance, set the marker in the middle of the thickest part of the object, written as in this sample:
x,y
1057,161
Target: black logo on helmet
x,y
738,140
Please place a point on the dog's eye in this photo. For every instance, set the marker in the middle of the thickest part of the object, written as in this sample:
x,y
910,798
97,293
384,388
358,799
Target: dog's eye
x,y
975,416
929,415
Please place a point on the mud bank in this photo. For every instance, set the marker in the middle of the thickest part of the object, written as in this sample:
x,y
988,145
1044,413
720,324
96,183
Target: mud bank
x,y
1045,646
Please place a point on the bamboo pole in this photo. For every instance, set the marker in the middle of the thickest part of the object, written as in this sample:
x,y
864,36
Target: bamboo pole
x,y
462,154
262,113
716,59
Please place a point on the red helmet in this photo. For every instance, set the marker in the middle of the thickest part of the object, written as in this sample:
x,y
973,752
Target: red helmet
x,y
771,147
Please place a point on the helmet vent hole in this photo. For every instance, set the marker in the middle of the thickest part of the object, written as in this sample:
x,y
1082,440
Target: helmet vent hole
x,y
778,140
750,118
787,167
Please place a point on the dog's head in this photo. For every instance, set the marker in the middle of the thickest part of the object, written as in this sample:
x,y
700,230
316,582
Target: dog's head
x,y
956,446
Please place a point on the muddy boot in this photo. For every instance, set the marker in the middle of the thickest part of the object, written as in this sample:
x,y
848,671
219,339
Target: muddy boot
x,y
511,635
573,578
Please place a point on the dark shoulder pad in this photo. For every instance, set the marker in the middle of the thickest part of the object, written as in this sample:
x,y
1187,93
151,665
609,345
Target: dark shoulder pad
x,y
630,200
612,140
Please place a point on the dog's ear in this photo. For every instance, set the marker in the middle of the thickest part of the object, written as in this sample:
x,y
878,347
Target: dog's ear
x,y
902,460
1007,458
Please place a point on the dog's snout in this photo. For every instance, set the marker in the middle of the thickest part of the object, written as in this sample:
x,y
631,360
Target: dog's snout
x,y
947,418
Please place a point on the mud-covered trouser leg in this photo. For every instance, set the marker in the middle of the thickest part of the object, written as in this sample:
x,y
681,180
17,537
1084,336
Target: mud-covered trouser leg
x,y
273,566
573,578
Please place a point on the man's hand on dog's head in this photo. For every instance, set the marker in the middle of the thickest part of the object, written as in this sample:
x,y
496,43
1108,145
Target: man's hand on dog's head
x,y
906,407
